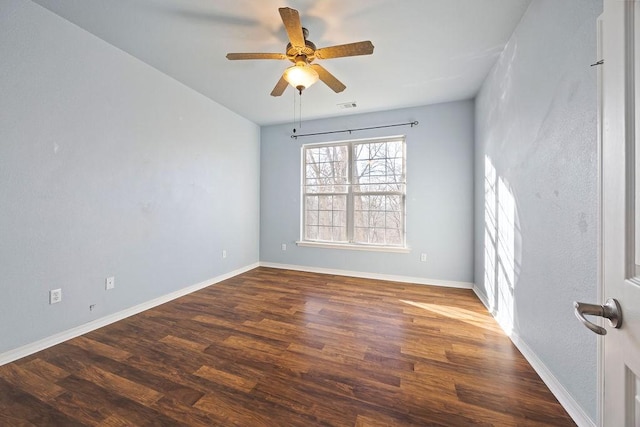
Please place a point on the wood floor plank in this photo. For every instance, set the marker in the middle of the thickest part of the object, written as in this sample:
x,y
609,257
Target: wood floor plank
x,y
100,348
187,414
527,409
184,343
278,347
85,399
20,407
39,387
44,369
237,382
117,384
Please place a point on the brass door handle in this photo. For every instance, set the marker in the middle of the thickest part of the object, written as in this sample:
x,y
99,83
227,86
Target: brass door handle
x,y
610,310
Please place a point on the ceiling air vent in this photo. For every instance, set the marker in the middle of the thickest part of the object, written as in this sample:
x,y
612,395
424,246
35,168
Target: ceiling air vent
x,y
347,105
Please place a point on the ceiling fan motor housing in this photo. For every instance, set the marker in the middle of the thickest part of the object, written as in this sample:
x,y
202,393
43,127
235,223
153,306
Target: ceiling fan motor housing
x,y
308,50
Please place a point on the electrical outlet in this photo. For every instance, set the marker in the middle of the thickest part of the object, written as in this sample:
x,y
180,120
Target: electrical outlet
x,y
224,253
109,283
423,257
55,296
284,246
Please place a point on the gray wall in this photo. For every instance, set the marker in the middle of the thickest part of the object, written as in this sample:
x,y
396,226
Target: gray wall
x,y
536,125
439,193
108,167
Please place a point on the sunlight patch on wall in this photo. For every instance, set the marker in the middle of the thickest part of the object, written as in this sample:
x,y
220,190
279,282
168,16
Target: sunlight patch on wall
x,y
501,232
490,231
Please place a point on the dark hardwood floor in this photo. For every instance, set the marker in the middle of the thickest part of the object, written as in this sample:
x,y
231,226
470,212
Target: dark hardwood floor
x,y
284,348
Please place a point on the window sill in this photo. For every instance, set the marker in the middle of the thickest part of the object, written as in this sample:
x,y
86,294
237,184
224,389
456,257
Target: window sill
x,y
352,247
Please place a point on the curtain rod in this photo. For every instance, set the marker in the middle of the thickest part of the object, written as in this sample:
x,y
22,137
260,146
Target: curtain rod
x,y
412,124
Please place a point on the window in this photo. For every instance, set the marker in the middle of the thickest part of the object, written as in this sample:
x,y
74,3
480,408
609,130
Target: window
x,y
353,193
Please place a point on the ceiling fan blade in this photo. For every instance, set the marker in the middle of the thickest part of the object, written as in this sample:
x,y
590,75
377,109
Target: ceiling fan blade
x,y
236,56
291,21
350,49
328,78
280,87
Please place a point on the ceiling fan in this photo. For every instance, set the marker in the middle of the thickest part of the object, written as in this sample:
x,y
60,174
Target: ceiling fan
x,y
302,53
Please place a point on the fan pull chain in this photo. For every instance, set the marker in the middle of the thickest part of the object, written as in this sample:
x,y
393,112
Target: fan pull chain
x,y
294,112
299,111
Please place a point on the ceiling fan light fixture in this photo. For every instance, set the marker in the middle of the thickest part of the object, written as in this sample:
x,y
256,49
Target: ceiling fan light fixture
x,y
301,76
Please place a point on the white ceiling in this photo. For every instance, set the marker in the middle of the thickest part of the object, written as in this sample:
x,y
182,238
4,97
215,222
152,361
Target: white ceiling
x,y
426,51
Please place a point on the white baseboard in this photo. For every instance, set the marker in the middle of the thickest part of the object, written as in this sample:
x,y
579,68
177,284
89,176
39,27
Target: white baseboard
x,y
365,275
483,298
58,338
567,401
564,397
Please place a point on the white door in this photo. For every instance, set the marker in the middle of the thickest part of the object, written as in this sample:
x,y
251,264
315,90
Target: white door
x,y
621,209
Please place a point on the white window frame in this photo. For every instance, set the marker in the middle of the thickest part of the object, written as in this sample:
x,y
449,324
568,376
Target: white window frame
x,y
350,210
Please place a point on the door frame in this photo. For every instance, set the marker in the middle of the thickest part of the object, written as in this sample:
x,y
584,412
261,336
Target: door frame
x,y
600,222
630,28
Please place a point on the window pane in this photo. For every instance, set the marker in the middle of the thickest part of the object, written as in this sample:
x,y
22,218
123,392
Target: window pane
x,y
311,233
360,171
395,169
392,237
340,203
325,167
379,220
376,203
311,202
378,167
393,220
324,202
339,234
325,233
325,218
361,235
392,203
376,236
361,218
311,218
376,219
377,150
